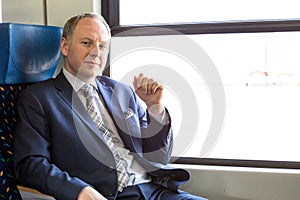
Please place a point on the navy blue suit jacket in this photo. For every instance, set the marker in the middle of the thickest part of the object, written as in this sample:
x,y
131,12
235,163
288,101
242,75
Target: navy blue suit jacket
x,y
59,150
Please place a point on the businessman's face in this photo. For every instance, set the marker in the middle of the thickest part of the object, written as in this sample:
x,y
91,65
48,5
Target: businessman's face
x,y
86,53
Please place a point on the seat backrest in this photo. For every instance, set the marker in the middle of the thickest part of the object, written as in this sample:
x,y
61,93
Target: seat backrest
x,y
28,54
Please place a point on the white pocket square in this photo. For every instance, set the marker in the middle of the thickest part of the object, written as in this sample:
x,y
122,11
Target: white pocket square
x,y
128,113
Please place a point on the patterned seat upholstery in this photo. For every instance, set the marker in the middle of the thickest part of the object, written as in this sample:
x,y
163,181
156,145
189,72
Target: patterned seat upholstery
x,y
8,189
28,54
8,95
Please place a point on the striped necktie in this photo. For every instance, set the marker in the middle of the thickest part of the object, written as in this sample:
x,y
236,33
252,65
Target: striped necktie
x,y
92,108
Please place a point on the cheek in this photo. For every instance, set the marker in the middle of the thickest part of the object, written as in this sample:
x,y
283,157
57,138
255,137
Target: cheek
x,y
103,56
77,57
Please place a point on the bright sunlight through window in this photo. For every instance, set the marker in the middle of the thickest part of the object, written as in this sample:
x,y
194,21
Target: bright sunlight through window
x,y
260,73
172,11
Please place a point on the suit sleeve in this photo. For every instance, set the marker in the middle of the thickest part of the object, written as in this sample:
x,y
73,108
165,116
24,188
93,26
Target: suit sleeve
x,y
157,137
32,159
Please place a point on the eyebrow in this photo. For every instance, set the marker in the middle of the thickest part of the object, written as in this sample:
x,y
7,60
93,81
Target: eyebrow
x,y
89,38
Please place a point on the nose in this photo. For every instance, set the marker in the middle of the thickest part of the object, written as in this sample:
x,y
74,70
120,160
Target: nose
x,y
96,51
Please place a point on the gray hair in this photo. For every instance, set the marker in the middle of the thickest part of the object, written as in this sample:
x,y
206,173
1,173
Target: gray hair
x,y
73,21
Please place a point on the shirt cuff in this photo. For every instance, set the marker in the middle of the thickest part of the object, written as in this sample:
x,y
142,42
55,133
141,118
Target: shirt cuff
x,y
162,118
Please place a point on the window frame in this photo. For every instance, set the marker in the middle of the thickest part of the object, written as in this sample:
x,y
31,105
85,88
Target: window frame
x,y
110,11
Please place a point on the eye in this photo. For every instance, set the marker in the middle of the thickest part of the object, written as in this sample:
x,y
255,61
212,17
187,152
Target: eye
x,y
102,46
86,43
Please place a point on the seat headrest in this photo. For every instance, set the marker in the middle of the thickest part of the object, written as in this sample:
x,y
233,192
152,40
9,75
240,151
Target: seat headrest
x,y
28,53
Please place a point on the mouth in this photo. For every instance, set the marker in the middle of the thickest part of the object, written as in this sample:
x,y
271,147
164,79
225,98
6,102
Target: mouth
x,y
93,63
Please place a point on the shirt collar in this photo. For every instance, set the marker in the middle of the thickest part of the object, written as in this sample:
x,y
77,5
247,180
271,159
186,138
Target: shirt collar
x,y
76,82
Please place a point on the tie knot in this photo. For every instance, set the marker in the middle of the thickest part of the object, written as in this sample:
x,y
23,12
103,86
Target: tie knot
x,y
87,90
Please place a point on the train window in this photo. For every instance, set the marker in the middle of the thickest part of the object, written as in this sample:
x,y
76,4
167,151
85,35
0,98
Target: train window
x,y
260,75
178,11
231,86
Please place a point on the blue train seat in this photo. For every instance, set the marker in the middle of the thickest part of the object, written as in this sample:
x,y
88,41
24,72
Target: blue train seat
x,y
28,54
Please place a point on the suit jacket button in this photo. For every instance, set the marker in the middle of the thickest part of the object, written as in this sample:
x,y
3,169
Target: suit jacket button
x,y
112,193
110,168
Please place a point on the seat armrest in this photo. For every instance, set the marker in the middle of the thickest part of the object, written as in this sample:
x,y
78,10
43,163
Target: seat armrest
x,y
29,193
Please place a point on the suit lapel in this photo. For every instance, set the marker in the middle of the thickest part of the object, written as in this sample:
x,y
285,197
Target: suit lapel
x,y
111,97
117,102
70,97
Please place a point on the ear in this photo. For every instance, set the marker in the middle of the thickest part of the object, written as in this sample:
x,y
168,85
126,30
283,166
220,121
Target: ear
x,y
64,46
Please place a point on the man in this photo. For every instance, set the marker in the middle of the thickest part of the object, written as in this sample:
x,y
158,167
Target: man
x,y
84,136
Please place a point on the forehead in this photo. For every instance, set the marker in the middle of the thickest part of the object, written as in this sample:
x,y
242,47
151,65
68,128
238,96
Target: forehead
x,y
91,28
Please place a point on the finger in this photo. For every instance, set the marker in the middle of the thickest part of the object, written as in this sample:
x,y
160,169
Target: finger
x,y
137,81
155,87
144,85
150,86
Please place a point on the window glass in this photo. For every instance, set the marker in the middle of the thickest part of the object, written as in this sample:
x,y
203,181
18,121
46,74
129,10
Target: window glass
x,y
259,75
172,11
